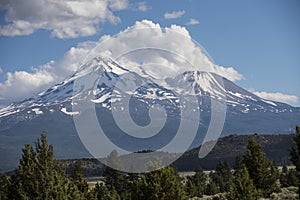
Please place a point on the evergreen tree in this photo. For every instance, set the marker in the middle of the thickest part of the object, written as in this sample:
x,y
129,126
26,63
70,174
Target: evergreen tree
x,y
100,192
289,178
24,184
196,184
161,184
115,179
238,163
284,169
211,188
242,187
222,177
4,186
78,179
78,187
295,155
261,171
273,180
38,176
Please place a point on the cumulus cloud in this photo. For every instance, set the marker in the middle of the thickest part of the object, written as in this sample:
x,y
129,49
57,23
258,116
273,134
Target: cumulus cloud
x,y
175,40
22,80
25,84
277,96
145,45
174,14
65,19
1,71
192,22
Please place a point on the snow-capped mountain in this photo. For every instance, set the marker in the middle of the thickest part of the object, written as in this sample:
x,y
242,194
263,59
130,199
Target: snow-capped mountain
x,y
53,110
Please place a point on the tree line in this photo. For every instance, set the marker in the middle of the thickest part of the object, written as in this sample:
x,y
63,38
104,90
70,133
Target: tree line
x,y
40,176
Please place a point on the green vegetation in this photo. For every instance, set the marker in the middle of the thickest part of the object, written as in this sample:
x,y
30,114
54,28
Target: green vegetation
x,y
276,148
40,176
263,173
196,184
243,187
223,176
295,155
160,184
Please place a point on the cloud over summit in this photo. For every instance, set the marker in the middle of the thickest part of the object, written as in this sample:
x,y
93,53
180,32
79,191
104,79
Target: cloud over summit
x,y
145,33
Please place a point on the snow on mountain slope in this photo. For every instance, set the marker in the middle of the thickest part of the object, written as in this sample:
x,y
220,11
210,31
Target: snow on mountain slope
x,y
51,110
63,92
206,84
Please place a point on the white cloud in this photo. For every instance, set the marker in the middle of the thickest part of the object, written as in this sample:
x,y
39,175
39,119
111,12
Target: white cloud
x,y
19,84
64,18
174,14
175,40
277,96
28,83
1,71
192,22
118,4
142,6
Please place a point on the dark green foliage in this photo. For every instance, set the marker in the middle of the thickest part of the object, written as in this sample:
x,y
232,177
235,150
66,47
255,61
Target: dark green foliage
x,y
161,184
4,186
238,162
273,180
211,188
228,148
100,192
263,173
78,184
115,179
242,187
90,167
289,178
222,176
295,155
38,176
284,169
196,184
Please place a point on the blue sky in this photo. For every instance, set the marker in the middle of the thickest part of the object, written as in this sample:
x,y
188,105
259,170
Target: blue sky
x,y
258,38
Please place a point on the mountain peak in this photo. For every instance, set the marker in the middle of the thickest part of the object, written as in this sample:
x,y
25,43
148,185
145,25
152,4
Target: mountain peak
x,y
52,111
189,82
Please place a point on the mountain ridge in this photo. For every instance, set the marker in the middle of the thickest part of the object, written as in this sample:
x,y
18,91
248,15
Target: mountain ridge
x,y
53,112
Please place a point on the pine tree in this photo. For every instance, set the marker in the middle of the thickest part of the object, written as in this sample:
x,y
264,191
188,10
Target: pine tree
x,y
4,186
38,176
161,184
222,177
115,179
24,184
100,192
273,180
242,187
78,187
196,184
260,169
289,178
44,166
295,155
78,179
212,188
